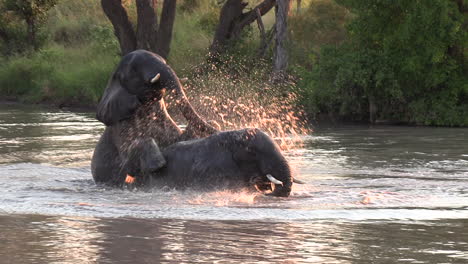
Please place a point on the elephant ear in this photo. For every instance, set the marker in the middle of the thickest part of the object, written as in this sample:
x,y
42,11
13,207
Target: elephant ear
x,y
116,104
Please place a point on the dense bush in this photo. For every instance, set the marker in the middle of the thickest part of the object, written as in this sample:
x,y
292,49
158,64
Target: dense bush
x,y
57,75
404,61
321,23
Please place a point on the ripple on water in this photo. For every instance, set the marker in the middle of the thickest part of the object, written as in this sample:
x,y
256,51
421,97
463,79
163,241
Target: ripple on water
x,y
41,189
373,195
108,240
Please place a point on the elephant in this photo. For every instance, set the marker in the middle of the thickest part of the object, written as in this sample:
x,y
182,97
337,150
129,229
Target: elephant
x,y
229,159
138,125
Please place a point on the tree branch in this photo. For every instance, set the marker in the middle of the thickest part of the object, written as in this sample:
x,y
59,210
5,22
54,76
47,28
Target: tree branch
x,y
165,27
249,17
232,21
147,25
263,35
123,29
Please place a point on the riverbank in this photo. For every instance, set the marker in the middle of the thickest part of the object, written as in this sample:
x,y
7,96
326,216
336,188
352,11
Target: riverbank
x,y
318,122
343,75
73,107
13,102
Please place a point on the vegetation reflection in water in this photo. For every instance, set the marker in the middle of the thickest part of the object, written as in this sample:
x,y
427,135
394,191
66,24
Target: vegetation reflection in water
x,y
70,240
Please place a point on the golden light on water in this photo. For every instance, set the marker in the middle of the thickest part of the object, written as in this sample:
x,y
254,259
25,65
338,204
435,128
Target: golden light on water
x,y
224,198
277,119
235,103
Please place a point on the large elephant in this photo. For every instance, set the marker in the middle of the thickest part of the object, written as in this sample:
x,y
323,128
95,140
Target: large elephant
x,y
137,123
231,159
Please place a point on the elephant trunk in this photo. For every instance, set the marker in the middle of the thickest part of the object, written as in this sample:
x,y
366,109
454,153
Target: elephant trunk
x,y
282,190
282,174
183,104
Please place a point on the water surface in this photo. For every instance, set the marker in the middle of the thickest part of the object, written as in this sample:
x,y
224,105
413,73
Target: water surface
x,y
373,195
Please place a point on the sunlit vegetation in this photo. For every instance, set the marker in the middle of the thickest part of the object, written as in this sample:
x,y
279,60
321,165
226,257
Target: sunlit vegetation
x,y
358,60
402,61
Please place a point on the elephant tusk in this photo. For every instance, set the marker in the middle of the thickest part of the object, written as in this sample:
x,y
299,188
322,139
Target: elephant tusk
x,y
298,181
155,78
183,80
273,179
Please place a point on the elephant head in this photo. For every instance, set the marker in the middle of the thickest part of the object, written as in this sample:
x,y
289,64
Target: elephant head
x,y
257,149
140,77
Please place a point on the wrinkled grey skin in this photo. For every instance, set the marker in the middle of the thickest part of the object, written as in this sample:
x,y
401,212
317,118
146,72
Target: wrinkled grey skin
x,y
231,159
137,123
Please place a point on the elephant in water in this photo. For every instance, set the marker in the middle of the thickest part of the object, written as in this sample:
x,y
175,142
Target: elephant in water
x,y
142,140
137,123
231,159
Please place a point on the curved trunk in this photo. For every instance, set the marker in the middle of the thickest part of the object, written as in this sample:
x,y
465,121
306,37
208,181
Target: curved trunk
x,y
280,170
193,118
285,189
282,190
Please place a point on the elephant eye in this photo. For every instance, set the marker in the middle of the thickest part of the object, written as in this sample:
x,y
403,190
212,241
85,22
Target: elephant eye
x,y
250,150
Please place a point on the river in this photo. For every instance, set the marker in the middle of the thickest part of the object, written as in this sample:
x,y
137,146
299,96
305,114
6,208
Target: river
x,y
378,194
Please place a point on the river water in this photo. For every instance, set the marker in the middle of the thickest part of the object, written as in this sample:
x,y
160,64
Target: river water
x,y
372,195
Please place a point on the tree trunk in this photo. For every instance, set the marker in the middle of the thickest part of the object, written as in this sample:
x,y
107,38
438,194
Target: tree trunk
x,y
372,109
32,32
264,40
165,28
298,7
281,55
123,29
4,35
148,35
231,11
147,25
232,21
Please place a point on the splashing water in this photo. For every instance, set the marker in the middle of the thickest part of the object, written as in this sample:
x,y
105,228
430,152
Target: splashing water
x,y
235,103
277,119
224,198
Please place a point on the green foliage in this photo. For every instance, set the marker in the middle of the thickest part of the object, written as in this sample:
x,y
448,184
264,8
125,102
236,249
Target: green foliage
x,y
189,6
320,23
406,57
209,20
33,12
57,75
76,61
30,9
12,34
74,65
190,40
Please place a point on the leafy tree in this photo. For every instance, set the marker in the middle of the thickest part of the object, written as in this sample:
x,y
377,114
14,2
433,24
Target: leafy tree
x,y
33,12
12,35
405,60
